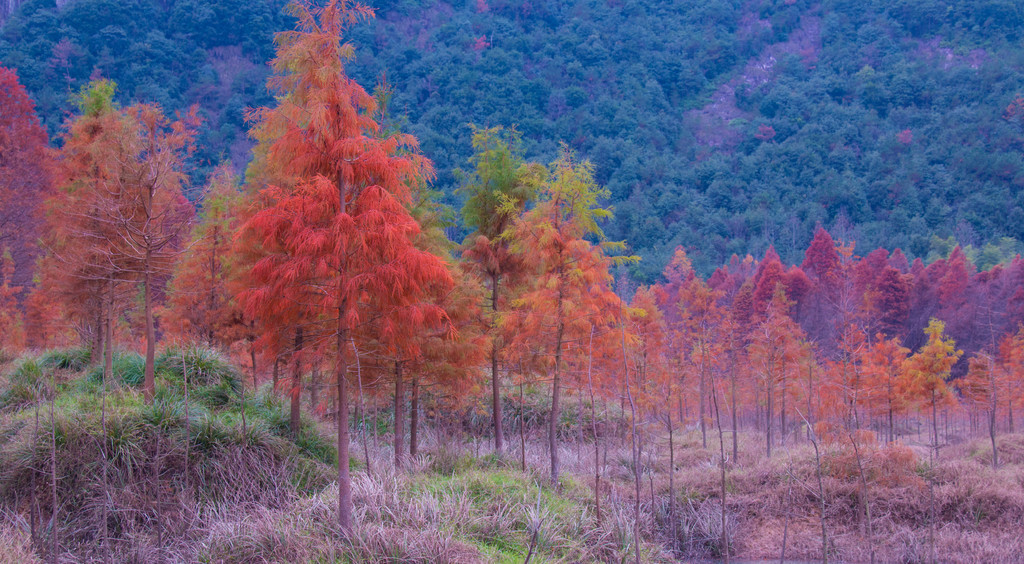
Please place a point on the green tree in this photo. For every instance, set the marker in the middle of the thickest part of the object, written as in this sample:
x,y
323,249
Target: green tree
x,y
501,187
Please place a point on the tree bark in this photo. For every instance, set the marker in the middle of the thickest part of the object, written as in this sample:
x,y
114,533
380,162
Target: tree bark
x,y
702,385
96,345
414,416
735,426
362,409
252,357
314,386
593,426
782,411
555,395
53,470
108,370
149,384
992,413
671,479
634,445
522,426
296,391
768,421
399,439
344,479
721,453
499,435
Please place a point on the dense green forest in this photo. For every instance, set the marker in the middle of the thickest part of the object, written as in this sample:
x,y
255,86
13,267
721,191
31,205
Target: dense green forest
x,y
723,126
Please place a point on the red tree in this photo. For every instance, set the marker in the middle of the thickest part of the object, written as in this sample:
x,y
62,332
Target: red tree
x,y
12,326
339,236
199,302
24,176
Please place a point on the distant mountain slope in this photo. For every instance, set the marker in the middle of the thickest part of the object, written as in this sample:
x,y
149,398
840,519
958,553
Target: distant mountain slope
x,y
176,53
722,125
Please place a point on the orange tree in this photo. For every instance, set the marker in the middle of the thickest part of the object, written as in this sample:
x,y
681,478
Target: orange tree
x,y
980,388
926,373
571,286
700,327
120,214
883,363
336,234
1011,354
774,351
78,269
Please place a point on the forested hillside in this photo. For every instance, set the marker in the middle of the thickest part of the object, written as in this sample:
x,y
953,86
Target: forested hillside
x,y
722,126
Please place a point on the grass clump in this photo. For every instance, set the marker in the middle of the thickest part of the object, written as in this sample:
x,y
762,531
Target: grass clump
x,y
75,359
206,366
24,383
129,369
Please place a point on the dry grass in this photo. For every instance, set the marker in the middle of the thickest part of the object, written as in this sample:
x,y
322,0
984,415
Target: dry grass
x,y
261,496
976,507
15,543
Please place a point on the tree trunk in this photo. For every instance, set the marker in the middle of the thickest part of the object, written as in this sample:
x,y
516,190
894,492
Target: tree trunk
x,y
634,446
362,410
866,505
555,394
188,421
296,391
522,427
34,511
149,385
810,394
96,344
721,454
108,339
782,411
344,479
593,426
53,470
314,387
768,421
399,440
499,435
414,416
671,479
702,386
252,357
108,371
992,413
891,433
735,426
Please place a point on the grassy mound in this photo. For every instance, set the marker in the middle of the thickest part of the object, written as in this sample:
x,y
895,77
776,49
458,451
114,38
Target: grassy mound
x,y
147,474
213,481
